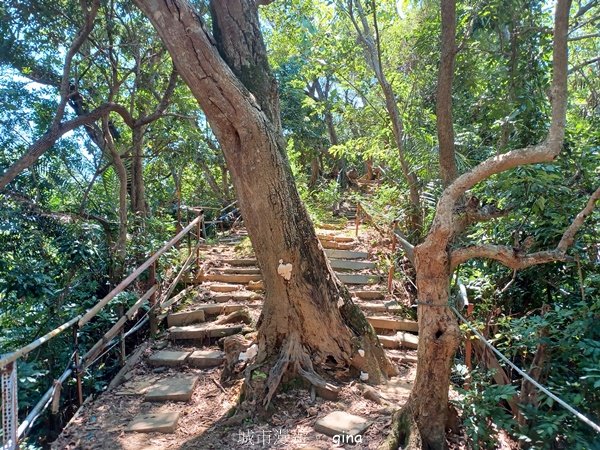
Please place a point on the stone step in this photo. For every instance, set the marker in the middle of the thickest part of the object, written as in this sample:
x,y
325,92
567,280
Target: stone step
x,y
224,287
172,389
368,295
346,264
345,254
331,226
203,359
241,270
342,424
358,278
372,307
168,358
185,318
202,331
256,285
230,278
210,309
386,323
158,422
334,238
332,245
400,340
241,262
239,296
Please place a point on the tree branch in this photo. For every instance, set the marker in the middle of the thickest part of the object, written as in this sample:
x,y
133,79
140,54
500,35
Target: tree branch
x,y
546,151
585,8
85,31
164,101
583,64
483,214
37,149
584,36
514,259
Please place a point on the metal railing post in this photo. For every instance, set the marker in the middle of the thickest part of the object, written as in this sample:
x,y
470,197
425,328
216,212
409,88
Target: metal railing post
x,y
152,317
10,418
357,218
78,372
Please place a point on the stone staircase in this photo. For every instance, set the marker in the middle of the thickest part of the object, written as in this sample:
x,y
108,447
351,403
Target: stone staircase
x,y
227,301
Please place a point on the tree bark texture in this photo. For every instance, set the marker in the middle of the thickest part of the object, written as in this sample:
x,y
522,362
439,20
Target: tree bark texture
x,y
303,296
443,107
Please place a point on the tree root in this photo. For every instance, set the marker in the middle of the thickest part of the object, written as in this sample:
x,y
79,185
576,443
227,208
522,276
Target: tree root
x,y
293,359
404,433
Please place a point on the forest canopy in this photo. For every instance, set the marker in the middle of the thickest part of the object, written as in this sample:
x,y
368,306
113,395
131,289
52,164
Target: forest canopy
x,y
471,130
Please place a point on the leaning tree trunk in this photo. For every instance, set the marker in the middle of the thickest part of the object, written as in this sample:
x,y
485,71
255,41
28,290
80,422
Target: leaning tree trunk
x,y
303,296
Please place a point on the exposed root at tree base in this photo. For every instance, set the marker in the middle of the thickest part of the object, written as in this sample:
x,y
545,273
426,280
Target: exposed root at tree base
x,y
293,360
404,432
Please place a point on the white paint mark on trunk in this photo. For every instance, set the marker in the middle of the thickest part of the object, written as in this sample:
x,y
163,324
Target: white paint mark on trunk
x,y
285,270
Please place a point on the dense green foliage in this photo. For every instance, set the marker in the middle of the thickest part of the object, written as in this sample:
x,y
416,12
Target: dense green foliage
x,y
60,221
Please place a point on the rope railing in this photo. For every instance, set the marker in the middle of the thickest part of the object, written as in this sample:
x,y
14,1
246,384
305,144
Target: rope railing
x,y
8,363
524,374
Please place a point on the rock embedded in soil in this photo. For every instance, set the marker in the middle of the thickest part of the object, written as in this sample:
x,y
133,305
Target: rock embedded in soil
x,y
341,423
163,422
168,358
177,389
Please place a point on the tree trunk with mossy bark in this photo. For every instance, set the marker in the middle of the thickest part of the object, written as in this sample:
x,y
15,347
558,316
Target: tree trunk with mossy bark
x,y
308,319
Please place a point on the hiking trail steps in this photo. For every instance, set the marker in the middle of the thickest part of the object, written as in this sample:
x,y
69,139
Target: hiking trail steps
x,y
232,285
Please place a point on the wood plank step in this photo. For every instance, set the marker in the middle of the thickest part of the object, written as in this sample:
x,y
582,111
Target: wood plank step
x,y
345,254
168,358
241,270
338,245
368,295
230,278
357,278
386,323
172,389
241,262
185,318
346,264
236,296
158,422
203,330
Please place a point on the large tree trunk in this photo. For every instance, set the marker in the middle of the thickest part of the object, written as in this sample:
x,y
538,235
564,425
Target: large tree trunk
x,y
120,250
303,296
439,336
